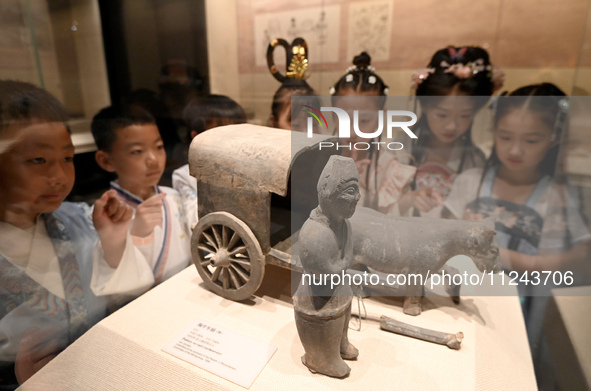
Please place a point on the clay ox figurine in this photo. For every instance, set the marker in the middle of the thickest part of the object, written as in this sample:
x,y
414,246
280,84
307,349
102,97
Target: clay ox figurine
x,y
325,246
421,246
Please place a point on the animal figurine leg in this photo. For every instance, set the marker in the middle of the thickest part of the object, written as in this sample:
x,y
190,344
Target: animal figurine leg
x,y
412,302
321,338
453,290
348,351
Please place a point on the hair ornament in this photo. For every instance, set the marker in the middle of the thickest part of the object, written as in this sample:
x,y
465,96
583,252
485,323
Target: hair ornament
x,y
355,68
465,71
419,76
563,105
497,78
494,102
349,78
386,90
332,90
371,79
457,55
296,58
471,69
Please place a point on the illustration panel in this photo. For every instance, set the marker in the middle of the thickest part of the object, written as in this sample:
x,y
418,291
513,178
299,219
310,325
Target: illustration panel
x,y
370,29
319,26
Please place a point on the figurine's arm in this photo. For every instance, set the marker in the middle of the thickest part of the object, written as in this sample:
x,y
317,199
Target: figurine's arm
x,y
319,251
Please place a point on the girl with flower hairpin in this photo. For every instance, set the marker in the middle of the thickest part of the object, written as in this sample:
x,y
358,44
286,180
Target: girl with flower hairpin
x,y
456,84
381,177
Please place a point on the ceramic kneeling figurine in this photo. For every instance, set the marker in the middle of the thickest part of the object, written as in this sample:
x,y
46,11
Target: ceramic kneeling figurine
x,y
322,312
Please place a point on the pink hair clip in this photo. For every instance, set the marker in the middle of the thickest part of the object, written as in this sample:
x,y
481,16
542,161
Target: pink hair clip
x,y
465,71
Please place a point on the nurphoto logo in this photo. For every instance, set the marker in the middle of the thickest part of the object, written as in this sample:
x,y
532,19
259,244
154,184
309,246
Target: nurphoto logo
x,y
344,127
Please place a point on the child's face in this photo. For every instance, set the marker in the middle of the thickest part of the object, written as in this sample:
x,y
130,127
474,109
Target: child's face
x,y
367,106
37,169
449,118
522,140
297,123
138,158
284,118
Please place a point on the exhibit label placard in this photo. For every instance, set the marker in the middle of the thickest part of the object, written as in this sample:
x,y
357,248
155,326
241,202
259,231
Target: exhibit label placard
x,y
226,353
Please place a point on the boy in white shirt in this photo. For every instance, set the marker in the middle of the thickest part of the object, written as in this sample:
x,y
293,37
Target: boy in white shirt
x,y
45,244
158,244
202,114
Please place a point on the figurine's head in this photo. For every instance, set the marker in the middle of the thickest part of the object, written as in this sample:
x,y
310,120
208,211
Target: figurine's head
x,y
338,188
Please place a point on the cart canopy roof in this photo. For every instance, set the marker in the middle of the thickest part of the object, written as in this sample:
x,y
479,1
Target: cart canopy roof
x,y
250,156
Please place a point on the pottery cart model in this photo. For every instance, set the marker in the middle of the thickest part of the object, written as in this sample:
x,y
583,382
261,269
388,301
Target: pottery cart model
x,y
244,205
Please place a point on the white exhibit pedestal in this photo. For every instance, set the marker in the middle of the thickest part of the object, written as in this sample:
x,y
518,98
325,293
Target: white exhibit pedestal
x,y
124,351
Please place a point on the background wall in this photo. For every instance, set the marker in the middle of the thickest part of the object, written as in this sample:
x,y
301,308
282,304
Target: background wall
x,y
532,40
59,46
160,32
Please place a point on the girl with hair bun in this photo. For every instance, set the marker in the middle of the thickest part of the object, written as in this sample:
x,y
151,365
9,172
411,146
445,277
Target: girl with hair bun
x,y
456,84
360,79
381,177
281,107
293,83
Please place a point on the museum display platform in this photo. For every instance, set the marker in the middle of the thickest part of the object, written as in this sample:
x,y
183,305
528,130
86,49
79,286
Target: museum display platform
x,y
124,351
567,325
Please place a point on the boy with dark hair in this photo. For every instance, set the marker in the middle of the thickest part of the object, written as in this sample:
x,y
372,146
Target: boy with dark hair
x,y
201,114
46,244
158,241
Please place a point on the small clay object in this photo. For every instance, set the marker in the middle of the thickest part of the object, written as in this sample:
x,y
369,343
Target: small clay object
x,y
452,341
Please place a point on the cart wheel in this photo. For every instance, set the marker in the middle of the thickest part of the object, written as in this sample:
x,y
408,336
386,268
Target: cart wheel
x,y
227,255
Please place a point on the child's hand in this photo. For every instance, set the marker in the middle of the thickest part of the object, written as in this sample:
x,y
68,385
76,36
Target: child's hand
x,y
111,217
469,215
36,349
147,216
426,199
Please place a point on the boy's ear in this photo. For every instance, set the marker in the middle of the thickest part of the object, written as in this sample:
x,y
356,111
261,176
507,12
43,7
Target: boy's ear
x,y
104,161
